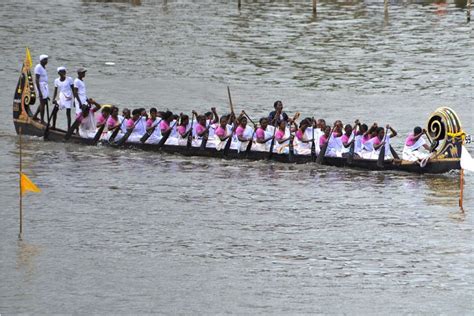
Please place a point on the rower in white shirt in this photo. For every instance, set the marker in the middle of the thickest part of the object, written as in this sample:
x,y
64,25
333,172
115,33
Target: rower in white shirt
x,y
41,76
65,86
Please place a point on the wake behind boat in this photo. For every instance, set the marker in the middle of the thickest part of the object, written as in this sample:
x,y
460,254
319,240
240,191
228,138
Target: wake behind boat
x,y
443,130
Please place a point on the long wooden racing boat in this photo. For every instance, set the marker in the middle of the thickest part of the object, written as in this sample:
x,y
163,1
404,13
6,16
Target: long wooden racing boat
x,y
444,131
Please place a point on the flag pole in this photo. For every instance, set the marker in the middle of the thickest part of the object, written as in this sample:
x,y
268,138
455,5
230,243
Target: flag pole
x,y
461,181
20,235
461,184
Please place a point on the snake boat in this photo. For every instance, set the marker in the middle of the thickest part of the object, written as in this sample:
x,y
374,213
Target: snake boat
x,y
443,130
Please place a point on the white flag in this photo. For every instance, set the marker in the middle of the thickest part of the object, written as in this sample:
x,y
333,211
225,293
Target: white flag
x,y
467,162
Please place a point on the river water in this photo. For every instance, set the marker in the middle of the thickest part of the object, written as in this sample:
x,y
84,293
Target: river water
x,y
117,231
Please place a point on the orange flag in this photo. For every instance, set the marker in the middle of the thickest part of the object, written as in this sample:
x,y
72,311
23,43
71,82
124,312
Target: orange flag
x,y
27,185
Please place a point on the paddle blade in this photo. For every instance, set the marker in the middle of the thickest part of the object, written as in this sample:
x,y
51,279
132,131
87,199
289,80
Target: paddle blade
x,y
381,158
394,153
164,139
322,153
350,157
74,126
53,113
203,142
122,140
98,134
146,136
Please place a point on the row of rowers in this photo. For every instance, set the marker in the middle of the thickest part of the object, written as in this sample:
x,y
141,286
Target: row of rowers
x,y
277,128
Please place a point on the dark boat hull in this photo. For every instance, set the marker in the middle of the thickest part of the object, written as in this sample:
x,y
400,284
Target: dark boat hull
x,y
33,128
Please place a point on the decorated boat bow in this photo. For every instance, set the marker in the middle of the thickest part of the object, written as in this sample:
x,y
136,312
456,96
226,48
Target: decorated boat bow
x,y
25,91
445,133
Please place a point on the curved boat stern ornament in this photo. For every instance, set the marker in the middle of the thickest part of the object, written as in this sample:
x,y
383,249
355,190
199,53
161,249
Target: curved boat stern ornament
x,y
25,94
445,133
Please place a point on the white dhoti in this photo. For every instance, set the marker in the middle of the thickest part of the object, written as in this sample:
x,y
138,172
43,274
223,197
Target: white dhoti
x,y
43,86
65,102
412,153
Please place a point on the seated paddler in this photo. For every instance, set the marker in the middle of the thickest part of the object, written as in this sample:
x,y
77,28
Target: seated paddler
x,y
302,143
283,137
414,145
87,127
137,125
372,147
152,126
183,129
263,136
113,123
243,134
221,134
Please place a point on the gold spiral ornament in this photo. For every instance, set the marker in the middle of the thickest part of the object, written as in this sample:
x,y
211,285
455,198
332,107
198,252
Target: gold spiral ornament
x,y
444,130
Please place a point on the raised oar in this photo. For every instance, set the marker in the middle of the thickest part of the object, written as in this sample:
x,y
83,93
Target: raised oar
x,y
322,152
149,133
122,140
381,157
313,145
248,117
46,131
190,133
232,113
230,101
116,131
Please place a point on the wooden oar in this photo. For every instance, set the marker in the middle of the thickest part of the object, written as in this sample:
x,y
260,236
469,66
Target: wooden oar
x,y
204,138
165,136
149,133
291,149
272,144
129,132
248,117
313,145
350,158
116,131
190,133
230,101
394,153
381,157
229,140
249,145
46,131
71,130
99,132
322,152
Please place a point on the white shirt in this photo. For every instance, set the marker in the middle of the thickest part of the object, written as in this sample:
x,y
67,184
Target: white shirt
x,y
81,90
41,71
64,87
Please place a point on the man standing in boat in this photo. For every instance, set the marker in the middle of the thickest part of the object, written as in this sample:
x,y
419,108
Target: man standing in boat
x,y
278,106
41,76
65,86
80,90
